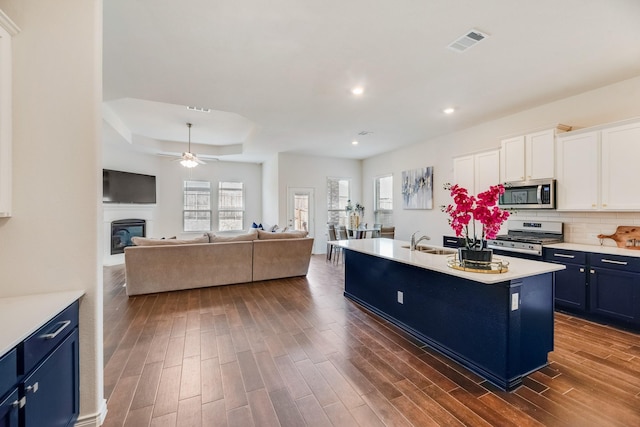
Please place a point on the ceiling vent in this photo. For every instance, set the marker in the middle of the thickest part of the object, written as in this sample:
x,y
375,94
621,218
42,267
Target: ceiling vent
x,y
468,40
199,109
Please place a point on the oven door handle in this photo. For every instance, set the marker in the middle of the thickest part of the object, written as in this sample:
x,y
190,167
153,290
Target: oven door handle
x,y
520,251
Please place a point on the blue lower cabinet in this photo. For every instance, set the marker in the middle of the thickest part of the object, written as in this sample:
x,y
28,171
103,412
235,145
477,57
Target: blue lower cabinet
x,y
615,294
570,284
571,287
51,390
8,372
9,409
601,287
39,378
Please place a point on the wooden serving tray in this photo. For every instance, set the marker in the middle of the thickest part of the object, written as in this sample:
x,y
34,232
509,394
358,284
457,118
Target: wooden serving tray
x,y
625,236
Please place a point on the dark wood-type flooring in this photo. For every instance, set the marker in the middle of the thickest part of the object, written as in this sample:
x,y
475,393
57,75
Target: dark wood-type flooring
x,y
296,352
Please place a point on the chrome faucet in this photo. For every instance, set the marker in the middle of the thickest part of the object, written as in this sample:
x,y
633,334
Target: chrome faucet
x,y
414,242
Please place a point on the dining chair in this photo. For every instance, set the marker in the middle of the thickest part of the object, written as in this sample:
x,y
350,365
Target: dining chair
x,y
388,232
331,236
361,234
341,231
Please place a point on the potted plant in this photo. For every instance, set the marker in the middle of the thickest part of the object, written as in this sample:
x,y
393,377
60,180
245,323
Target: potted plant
x,y
358,208
354,214
466,210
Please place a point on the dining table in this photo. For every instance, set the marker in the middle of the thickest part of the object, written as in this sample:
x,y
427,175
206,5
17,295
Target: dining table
x,y
361,232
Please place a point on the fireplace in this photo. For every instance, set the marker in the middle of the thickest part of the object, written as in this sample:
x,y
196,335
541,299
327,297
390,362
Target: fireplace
x,y
123,230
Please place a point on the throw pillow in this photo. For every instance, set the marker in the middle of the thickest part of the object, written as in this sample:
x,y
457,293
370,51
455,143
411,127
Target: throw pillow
x,y
247,237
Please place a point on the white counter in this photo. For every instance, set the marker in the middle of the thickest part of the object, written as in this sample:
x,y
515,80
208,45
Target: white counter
x,y
21,316
393,250
611,250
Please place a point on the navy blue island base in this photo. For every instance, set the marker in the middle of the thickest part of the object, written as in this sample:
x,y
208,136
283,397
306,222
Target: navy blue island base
x,y
501,331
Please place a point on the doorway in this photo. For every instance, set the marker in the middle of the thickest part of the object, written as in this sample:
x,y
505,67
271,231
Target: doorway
x,y
300,209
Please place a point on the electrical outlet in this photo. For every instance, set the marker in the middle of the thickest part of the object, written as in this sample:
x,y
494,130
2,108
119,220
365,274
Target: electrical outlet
x,y
401,297
515,301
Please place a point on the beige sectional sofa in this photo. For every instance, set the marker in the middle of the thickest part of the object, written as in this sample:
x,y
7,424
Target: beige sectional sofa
x,y
155,265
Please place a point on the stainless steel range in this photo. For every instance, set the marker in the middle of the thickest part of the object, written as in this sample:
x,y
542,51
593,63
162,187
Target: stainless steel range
x,y
526,238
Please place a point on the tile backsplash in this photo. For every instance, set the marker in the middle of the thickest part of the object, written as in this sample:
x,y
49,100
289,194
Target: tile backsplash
x,y
584,227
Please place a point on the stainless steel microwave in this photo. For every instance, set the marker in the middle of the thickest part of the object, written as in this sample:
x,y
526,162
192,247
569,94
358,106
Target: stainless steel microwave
x,y
533,194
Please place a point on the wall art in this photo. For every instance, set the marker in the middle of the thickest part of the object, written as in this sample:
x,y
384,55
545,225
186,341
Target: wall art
x,y
417,188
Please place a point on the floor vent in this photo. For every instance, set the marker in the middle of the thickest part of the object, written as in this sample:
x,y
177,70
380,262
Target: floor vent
x,y
470,39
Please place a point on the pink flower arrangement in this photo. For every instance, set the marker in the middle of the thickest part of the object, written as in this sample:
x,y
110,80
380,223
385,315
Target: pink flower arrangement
x,y
467,209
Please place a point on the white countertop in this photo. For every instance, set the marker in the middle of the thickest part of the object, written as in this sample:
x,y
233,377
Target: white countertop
x,y
21,316
611,250
393,250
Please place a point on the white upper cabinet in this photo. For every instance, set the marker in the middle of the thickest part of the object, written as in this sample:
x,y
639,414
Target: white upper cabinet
x,y
487,170
477,172
578,171
7,30
530,156
540,155
620,170
513,159
463,172
597,168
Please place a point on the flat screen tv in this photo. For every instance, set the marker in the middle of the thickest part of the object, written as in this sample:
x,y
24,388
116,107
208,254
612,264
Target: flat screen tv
x,y
127,187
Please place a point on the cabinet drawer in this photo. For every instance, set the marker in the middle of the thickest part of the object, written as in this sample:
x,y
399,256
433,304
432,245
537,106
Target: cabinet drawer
x,y
615,262
45,339
8,372
564,256
452,242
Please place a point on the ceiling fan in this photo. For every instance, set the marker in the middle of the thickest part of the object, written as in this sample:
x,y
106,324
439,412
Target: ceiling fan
x,y
189,159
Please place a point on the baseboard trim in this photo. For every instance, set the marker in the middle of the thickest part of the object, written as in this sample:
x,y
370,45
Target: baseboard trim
x,y
93,420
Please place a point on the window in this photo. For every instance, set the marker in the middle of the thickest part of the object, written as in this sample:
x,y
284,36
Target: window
x,y
338,190
383,204
231,206
197,206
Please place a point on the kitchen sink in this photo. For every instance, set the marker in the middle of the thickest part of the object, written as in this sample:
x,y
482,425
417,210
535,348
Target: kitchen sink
x,y
432,250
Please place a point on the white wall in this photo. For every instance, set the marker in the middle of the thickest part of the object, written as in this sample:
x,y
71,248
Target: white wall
x,y
312,172
270,206
170,181
607,104
166,214
265,188
50,242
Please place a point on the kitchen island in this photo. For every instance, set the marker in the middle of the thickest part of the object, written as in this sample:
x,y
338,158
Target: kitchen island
x,y
499,326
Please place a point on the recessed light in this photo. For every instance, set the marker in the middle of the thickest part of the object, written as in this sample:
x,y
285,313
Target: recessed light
x,y
354,142
358,90
449,110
